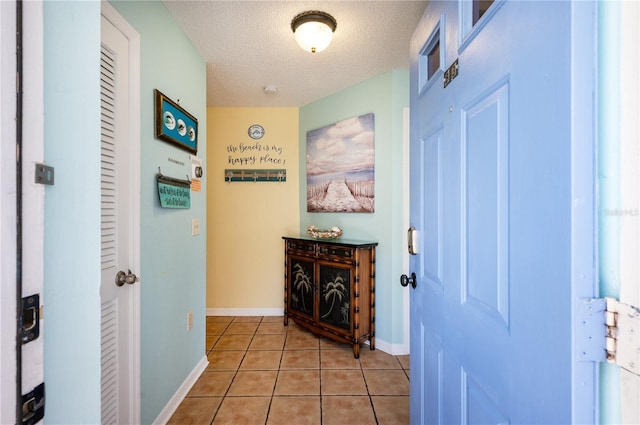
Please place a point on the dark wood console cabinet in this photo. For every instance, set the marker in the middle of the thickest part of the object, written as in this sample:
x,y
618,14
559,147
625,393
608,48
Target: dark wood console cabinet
x,y
329,288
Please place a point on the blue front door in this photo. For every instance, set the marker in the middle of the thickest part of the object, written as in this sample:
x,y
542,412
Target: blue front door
x,y
493,168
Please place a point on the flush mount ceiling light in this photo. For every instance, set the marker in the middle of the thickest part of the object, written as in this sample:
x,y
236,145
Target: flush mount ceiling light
x,y
313,30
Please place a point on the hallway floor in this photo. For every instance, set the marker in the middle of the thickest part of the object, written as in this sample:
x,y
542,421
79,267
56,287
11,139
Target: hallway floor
x,y
262,372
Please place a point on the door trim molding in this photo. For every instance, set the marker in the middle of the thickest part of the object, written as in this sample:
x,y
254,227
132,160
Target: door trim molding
x,y
406,302
8,211
585,375
33,194
133,38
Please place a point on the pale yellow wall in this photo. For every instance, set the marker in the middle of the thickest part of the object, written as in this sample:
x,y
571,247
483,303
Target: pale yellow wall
x,y
246,220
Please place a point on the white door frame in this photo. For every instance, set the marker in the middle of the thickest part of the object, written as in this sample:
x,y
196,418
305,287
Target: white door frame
x,y
629,185
32,152
406,308
134,200
33,194
7,211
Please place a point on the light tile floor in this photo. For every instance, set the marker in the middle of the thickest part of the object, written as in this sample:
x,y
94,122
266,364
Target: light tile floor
x,y
262,372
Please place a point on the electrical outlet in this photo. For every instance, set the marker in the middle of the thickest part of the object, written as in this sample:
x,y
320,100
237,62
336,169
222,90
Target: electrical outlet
x,y
189,320
195,226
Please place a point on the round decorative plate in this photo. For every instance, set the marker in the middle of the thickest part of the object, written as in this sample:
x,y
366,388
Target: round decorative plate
x,y
169,120
182,127
256,131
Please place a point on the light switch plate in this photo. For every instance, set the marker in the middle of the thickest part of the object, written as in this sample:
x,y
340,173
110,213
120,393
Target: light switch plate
x,y
195,226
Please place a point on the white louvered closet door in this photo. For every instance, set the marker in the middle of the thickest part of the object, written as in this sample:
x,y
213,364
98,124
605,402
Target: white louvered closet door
x,y
118,334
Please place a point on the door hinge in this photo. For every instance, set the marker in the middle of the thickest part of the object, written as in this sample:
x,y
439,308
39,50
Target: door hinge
x,y
33,405
623,335
609,330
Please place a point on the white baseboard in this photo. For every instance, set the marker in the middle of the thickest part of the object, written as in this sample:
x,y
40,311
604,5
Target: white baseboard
x,y
181,393
393,349
245,312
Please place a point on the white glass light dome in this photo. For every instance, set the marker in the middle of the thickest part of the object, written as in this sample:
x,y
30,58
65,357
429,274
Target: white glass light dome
x,y
313,30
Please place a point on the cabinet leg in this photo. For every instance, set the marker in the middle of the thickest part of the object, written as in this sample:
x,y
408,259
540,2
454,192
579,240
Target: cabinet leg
x,y
356,351
286,320
372,343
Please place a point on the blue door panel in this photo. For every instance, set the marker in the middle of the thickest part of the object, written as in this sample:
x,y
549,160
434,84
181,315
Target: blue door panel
x,y
434,382
481,406
432,224
485,145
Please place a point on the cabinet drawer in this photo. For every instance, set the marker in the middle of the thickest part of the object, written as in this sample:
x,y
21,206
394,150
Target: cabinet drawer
x,y
304,246
336,251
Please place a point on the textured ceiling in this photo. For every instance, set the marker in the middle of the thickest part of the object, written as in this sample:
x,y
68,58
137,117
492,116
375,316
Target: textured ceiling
x,y
248,45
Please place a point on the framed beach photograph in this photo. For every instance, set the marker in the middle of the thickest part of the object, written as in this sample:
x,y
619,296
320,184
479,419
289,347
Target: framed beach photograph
x,y
174,124
341,166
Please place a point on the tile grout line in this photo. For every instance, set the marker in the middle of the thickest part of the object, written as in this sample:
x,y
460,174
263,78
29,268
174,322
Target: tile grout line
x,y
373,410
286,334
217,410
236,371
275,382
320,382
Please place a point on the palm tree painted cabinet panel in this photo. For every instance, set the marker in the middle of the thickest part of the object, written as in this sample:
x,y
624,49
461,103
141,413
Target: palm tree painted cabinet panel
x,y
330,288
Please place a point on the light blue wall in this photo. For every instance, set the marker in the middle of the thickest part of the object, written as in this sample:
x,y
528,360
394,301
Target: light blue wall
x,y
385,96
71,319
173,262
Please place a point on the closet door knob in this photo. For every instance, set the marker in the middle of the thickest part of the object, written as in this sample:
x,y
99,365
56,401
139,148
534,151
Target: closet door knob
x,y
122,278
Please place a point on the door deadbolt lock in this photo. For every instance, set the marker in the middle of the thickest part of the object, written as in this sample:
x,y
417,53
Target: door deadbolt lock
x,y
122,278
406,280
